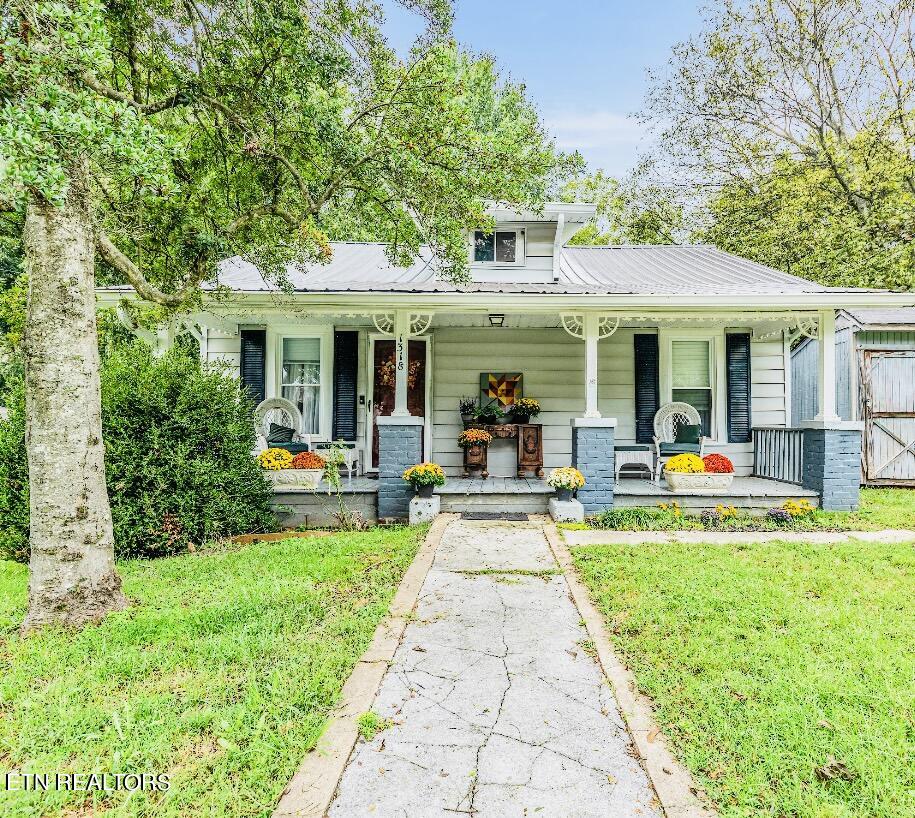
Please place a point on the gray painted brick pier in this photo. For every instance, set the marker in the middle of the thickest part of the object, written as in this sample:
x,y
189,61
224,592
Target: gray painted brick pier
x,y
593,456
832,466
399,447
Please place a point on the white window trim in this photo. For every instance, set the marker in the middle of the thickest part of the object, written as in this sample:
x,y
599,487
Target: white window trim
x,y
717,371
520,248
276,333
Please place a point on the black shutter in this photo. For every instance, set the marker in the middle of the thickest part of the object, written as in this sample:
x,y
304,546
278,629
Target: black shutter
x,y
647,391
737,347
346,360
253,362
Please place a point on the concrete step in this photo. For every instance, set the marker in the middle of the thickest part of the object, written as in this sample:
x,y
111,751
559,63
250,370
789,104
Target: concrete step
x,y
495,502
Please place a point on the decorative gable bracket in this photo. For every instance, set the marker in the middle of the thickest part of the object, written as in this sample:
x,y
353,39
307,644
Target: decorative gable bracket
x,y
574,324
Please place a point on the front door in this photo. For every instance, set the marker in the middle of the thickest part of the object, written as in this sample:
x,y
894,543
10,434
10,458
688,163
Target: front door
x,y
384,368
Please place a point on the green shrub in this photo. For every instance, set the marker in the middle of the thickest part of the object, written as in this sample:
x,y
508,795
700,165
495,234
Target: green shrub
x,y
14,477
178,442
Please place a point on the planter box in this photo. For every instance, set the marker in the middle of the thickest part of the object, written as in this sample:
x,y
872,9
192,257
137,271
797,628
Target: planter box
x,y
701,482
295,478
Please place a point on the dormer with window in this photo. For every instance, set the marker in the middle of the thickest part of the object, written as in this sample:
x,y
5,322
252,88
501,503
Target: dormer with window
x,y
524,246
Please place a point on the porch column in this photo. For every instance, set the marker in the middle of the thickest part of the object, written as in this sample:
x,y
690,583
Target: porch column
x,y
593,456
591,331
827,367
402,362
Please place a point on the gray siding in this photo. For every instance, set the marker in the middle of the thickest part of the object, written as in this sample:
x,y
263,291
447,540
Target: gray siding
x,y
804,381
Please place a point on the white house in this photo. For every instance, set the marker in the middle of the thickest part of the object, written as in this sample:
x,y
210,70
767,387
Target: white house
x,y
603,337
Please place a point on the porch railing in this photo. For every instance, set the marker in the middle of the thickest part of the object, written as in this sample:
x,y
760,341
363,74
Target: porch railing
x,y
778,453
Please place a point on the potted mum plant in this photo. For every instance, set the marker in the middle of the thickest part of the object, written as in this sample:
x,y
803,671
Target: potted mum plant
x,y
689,472
467,406
472,438
566,481
424,477
524,409
311,468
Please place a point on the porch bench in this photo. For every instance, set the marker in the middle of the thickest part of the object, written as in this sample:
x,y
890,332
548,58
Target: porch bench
x,y
633,455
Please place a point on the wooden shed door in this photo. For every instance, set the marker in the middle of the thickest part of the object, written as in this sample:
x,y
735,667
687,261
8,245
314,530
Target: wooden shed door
x,y
888,401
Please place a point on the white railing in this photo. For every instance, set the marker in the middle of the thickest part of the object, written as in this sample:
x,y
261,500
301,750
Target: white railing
x,y
778,453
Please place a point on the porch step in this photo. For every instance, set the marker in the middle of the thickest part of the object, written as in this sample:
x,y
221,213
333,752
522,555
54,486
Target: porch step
x,y
494,503
495,495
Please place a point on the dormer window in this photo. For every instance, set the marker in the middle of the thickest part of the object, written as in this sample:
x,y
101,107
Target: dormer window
x,y
501,247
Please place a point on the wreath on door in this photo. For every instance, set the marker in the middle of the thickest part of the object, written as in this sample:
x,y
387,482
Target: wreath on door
x,y
387,373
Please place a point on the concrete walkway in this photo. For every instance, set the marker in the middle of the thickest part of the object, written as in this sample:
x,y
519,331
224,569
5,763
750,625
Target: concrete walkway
x,y
498,706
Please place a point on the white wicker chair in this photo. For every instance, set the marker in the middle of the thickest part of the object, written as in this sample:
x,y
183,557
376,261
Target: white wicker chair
x,y
283,413
667,420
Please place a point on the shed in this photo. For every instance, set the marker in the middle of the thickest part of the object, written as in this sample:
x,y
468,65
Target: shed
x,y
875,383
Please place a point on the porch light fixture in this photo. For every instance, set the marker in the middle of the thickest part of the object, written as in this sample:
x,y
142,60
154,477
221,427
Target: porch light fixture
x,y
496,319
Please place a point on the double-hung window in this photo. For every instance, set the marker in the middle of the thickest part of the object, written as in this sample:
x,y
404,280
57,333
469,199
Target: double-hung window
x,y
301,379
691,377
499,247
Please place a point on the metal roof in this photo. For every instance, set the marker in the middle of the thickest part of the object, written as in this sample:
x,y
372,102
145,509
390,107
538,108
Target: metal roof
x,y
632,269
866,317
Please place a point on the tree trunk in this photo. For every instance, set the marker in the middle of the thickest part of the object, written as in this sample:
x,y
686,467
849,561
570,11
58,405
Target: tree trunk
x,y
72,577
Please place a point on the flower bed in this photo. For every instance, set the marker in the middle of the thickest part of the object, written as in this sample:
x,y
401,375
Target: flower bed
x,y
793,515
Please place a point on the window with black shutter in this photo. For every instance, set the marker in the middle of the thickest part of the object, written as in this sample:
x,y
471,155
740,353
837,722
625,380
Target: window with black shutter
x,y
737,350
253,362
647,390
346,359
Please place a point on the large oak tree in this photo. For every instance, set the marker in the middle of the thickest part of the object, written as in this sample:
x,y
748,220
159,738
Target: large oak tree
x,y
159,136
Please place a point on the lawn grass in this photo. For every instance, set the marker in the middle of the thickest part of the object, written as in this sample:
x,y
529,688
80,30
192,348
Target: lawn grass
x,y
221,675
767,660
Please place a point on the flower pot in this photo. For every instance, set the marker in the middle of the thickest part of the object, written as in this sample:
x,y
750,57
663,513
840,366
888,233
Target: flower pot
x,y
296,478
467,418
520,418
425,491
702,482
563,495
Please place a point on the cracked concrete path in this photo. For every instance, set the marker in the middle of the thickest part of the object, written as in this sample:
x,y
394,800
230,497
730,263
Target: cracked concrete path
x,y
498,706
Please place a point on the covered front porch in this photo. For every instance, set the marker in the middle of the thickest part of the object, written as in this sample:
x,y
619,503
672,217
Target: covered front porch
x,y
514,495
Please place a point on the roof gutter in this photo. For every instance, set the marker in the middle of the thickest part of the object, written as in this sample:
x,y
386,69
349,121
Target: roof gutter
x,y
542,302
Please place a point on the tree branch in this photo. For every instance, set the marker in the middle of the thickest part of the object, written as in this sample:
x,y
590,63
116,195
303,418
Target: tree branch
x,y
176,99
144,289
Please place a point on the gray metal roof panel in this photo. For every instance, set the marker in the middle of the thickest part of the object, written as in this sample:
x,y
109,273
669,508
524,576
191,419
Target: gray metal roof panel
x,y
624,270
900,316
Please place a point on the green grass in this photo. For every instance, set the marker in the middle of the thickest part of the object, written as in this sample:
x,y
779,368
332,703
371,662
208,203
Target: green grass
x,y
767,660
222,674
880,509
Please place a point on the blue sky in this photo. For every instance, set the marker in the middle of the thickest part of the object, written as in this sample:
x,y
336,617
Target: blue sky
x,y
583,62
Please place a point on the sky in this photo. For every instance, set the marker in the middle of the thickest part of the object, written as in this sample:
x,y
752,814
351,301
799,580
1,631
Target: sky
x,y
584,63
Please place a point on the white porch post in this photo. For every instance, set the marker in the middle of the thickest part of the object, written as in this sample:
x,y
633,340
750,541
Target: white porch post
x,y
402,362
591,331
827,367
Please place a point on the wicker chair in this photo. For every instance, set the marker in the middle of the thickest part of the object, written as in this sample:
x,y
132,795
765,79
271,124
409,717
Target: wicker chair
x,y
283,413
667,420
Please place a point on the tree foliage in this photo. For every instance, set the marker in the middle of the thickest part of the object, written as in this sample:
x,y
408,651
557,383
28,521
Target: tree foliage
x,y
255,127
632,211
799,117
